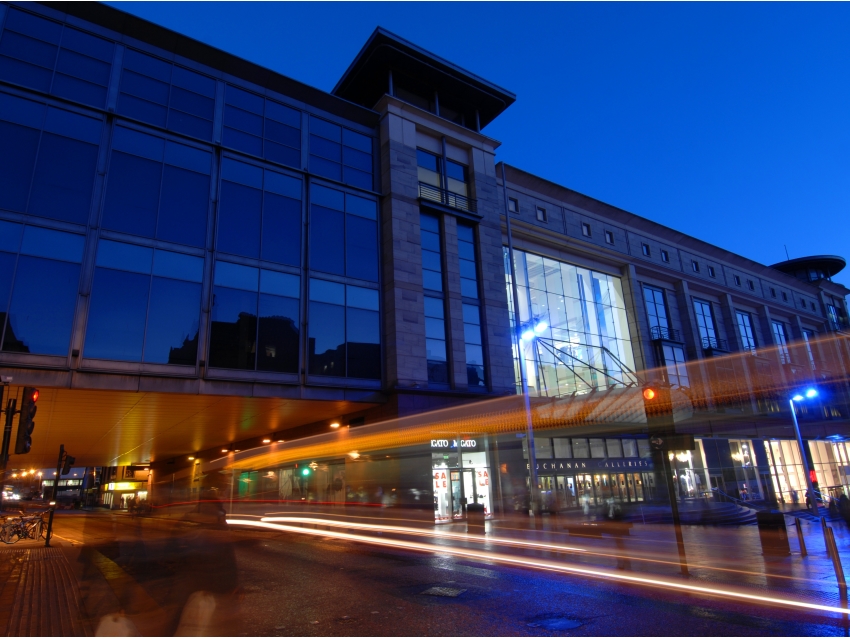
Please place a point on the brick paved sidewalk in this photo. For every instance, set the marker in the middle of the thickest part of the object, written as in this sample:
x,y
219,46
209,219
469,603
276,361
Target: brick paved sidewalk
x,y
40,595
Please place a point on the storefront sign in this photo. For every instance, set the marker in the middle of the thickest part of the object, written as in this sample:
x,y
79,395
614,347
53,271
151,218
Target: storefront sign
x,y
593,465
471,444
121,485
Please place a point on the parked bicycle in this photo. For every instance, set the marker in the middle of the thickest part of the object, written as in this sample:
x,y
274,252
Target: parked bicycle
x,y
13,529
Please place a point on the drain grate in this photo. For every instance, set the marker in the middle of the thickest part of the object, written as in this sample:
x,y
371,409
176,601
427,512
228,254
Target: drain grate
x,y
442,591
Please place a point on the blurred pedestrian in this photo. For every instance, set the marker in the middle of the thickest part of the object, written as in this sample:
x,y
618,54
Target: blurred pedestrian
x,y
844,507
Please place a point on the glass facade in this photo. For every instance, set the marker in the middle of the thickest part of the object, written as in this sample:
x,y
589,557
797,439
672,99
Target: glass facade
x,y
39,279
574,326
211,209
781,342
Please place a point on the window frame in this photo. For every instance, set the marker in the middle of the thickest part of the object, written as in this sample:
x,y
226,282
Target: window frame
x,y
542,215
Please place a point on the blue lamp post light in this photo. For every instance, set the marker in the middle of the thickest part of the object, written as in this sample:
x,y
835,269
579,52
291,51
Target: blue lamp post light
x,y
810,393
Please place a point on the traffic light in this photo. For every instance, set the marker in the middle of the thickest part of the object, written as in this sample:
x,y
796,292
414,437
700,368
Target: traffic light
x,y
657,402
69,462
306,471
26,424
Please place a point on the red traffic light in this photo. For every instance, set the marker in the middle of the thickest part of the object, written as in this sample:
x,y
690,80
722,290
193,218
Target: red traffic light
x,y
34,395
649,393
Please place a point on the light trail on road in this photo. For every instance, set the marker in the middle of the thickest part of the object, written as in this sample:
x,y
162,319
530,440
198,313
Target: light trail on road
x,y
654,582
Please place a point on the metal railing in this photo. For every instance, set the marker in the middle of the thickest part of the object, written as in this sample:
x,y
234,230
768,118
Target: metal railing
x,y
662,332
715,343
454,200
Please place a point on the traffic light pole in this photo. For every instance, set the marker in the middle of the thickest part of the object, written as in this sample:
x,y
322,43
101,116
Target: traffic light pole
x,y
53,500
7,439
674,507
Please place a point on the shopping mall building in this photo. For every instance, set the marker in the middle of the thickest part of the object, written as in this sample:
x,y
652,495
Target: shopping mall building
x,y
202,259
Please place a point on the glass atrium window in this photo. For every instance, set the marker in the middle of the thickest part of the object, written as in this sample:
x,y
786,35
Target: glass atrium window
x,y
781,342
745,330
145,305
39,280
468,269
49,158
31,55
255,319
577,316
344,335
157,188
259,213
343,234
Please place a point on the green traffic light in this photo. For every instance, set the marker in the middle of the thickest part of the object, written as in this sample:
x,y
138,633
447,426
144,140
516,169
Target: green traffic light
x,y
305,472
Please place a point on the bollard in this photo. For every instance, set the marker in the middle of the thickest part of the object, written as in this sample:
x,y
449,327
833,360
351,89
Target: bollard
x,y
802,541
823,527
836,563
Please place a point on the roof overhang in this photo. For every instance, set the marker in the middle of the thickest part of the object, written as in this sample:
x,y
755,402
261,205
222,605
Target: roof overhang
x,y
366,79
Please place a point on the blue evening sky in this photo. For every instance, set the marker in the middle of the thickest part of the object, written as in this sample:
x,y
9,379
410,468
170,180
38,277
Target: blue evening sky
x,y
727,121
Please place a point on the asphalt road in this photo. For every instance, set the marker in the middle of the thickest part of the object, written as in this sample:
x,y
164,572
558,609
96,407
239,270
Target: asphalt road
x,y
288,584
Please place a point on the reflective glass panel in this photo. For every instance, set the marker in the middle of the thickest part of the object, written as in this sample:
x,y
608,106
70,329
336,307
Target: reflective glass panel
x,y
117,314
172,327
42,309
233,329
277,345
327,339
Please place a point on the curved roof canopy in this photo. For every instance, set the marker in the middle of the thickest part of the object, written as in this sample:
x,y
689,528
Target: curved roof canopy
x,y
829,264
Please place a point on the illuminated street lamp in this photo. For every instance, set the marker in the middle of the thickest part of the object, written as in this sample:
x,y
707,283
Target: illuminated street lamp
x,y
810,393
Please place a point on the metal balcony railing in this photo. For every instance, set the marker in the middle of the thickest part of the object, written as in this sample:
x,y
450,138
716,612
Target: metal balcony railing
x,y
662,332
715,344
454,200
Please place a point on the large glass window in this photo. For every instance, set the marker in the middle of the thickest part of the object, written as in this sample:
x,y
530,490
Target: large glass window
x,y
255,319
166,95
340,154
656,311
157,188
674,363
435,340
474,348
145,305
705,324
468,270
262,127
432,263
575,320
808,336
343,234
745,330
46,56
39,279
49,158
259,213
781,342
344,335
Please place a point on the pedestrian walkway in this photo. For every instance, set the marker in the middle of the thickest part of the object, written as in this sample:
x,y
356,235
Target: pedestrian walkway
x,y
40,595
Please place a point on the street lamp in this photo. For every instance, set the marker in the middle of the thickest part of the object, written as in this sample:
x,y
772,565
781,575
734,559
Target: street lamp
x,y
799,397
